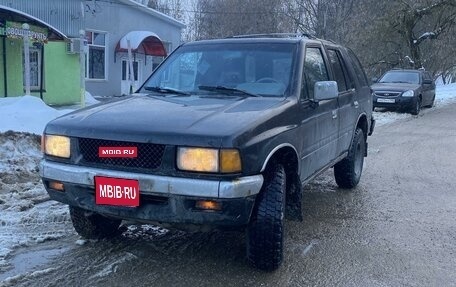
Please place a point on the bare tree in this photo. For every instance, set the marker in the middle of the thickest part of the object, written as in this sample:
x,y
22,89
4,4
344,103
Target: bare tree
x,y
223,18
418,23
172,8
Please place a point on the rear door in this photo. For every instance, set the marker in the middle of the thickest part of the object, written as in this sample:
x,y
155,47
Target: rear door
x,y
319,121
347,99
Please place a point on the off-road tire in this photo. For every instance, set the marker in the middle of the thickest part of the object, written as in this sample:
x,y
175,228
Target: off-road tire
x,y
265,230
348,171
92,225
416,107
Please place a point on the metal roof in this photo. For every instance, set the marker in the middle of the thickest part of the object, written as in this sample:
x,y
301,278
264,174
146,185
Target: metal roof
x,y
10,14
153,12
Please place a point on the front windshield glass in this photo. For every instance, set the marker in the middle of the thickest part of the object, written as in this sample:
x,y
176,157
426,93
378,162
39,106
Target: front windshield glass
x,y
248,69
401,77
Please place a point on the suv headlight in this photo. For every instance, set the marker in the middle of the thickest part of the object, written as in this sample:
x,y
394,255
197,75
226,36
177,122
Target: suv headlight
x,y
208,160
408,94
58,146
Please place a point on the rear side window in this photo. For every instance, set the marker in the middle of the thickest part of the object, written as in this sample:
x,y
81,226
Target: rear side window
x,y
358,69
314,70
339,72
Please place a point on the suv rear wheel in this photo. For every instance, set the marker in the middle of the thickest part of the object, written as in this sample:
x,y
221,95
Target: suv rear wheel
x,y
348,171
265,230
92,225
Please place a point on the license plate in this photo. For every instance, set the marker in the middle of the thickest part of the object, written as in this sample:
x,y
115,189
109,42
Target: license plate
x,y
390,101
116,191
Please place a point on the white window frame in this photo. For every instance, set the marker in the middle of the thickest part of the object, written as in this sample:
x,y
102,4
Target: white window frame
x,y
36,50
105,46
139,71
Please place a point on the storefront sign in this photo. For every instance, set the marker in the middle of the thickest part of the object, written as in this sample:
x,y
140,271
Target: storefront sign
x,y
14,30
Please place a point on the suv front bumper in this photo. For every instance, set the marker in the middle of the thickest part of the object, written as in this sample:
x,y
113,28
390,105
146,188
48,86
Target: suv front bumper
x,y
163,199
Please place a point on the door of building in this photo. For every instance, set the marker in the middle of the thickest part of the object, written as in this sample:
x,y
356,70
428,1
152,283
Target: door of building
x,y
125,82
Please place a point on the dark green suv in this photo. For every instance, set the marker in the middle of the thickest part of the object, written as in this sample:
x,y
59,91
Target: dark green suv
x,y
222,135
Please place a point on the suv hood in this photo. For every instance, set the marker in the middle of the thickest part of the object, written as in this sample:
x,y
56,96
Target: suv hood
x,y
396,87
161,119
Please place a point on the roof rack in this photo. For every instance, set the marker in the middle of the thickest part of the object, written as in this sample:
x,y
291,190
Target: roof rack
x,y
276,35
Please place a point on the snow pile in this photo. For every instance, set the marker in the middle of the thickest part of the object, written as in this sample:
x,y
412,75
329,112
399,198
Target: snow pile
x,y
445,94
26,114
90,100
30,114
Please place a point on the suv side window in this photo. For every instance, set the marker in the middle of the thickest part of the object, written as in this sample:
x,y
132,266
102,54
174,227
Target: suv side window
x,y
336,64
314,70
358,69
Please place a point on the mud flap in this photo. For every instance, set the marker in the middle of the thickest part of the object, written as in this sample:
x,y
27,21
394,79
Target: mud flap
x,y
293,206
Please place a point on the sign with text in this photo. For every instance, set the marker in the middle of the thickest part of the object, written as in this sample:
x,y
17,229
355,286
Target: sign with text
x,y
116,191
116,152
14,30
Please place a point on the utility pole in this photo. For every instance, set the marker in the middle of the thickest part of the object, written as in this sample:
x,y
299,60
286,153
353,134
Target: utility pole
x,y
82,62
26,37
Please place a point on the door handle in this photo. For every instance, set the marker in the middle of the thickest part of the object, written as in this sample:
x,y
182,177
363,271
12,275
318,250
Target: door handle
x,y
356,104
334,114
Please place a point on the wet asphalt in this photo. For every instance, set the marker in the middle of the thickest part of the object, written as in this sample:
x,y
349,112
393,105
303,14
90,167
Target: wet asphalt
x,y
397,228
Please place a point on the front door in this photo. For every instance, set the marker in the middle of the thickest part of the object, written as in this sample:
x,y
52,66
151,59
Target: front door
x,y
127,86
319,122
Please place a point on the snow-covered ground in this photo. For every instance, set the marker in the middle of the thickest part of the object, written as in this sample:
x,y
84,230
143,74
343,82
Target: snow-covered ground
x,y
445,94
27,216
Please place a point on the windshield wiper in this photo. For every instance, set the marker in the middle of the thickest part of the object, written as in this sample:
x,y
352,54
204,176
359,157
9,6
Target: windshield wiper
x,y
163,90
226,90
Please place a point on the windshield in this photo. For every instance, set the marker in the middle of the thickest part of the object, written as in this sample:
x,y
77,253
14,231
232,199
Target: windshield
x,y
401,77
246,69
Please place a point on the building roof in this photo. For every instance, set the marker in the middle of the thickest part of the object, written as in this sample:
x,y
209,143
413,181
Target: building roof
x,y
153,12
11,14
149,41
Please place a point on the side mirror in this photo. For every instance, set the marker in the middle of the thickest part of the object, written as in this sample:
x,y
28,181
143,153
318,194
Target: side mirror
x,y
325,90
427,82
374,80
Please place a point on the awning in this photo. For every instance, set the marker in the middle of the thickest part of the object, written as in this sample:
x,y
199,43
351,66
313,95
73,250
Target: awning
x,y
10,15
150,42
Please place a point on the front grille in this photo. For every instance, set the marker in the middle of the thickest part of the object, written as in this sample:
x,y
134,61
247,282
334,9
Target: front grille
x,y
149,155
387,94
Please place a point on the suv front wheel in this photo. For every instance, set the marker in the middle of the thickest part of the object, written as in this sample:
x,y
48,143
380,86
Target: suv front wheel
x,y
265,230
348,171
92,225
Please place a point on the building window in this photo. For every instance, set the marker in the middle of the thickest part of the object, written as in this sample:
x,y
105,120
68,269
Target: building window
x,y
96,58
35,68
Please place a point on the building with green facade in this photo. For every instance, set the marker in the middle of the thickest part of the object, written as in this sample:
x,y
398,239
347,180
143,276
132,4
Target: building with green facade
x,y
58,29
53,72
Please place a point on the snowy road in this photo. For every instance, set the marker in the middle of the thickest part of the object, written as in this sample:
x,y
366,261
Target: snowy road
x,y
395,229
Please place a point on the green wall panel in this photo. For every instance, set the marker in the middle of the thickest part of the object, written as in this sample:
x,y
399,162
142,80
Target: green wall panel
x,y
61,73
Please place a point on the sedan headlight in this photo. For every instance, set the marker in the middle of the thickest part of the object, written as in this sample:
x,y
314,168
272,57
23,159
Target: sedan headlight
x,y
408,94
58,146
208,160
